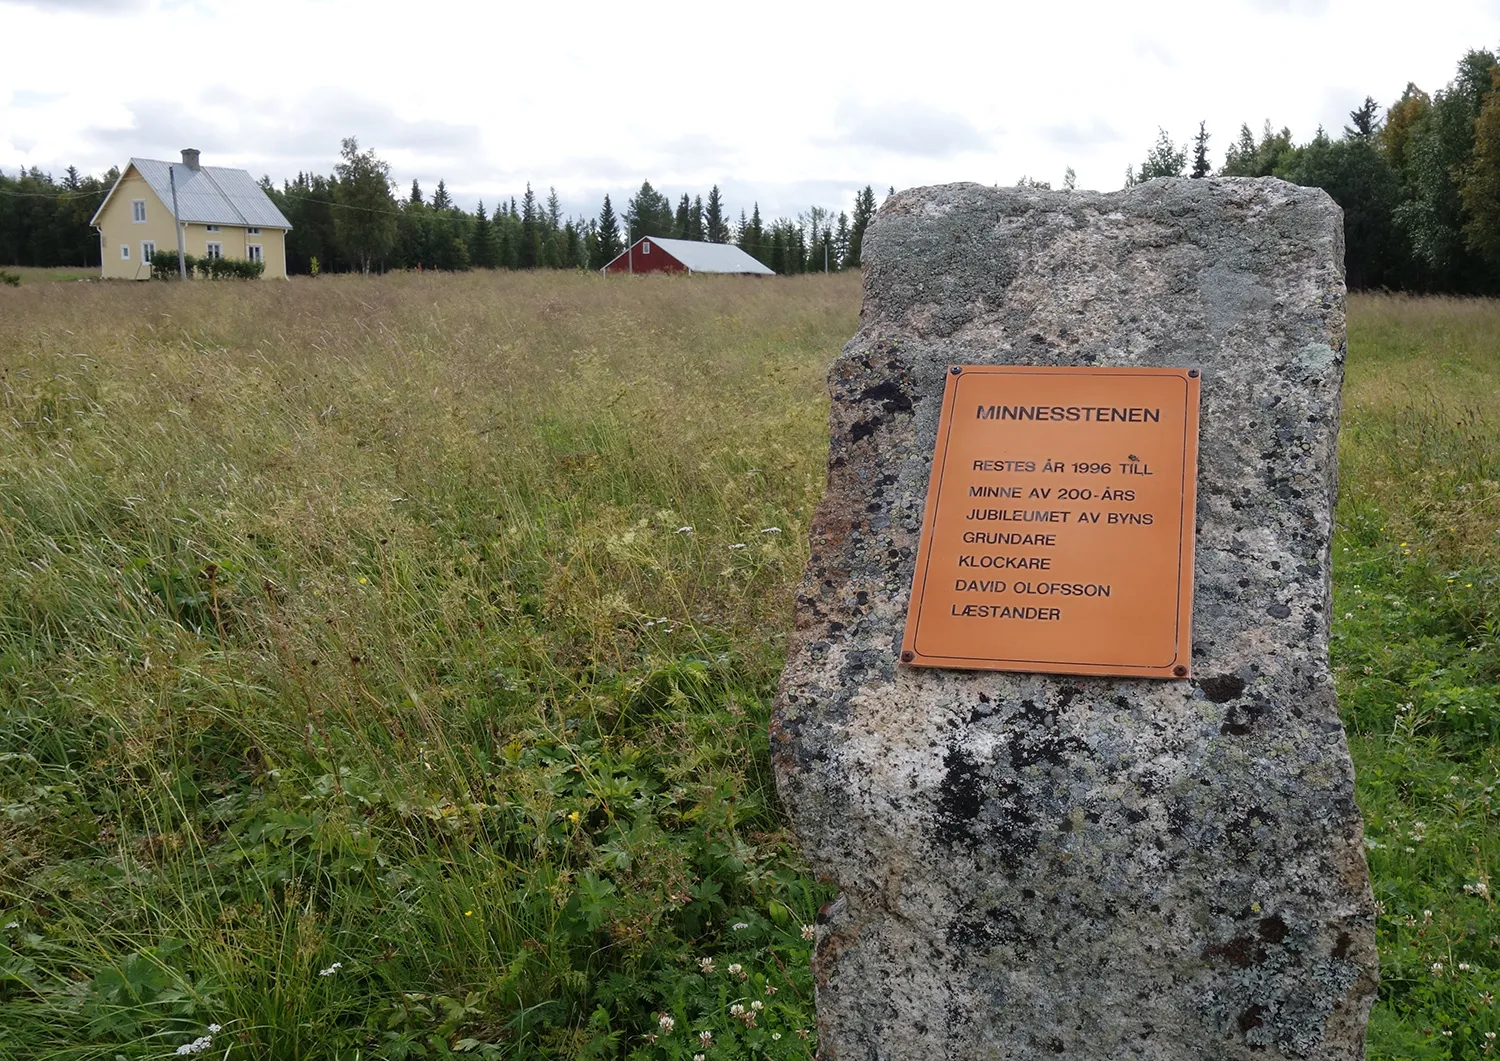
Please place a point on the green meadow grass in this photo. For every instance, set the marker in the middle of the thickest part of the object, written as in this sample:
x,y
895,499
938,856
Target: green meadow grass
x,y
385,664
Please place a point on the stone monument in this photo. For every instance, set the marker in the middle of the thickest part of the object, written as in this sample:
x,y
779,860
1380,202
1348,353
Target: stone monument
x,y
1062,865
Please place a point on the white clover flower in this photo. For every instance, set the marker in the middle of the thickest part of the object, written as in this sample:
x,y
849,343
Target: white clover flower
x,y
1437,968
706,964
734,969
808,932
666,1023
757,1005
739,925
1463,967
698,1057
705,1037
736,1010
335,967
770,989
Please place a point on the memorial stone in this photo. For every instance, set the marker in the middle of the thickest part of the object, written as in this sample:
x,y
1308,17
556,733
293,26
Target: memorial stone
x,y
1038,865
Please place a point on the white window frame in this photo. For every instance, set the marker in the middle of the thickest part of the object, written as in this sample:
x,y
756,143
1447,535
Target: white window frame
x,y
148,250
252,231
211,228
138,211
124,252
254,253
213,250
645,246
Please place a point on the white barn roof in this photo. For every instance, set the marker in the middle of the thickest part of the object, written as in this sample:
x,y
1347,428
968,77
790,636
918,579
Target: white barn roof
x,y
208,195
710,257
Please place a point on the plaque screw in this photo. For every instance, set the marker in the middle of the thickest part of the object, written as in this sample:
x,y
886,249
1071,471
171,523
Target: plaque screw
x,y
956,369
1180,671
1193,373
907,657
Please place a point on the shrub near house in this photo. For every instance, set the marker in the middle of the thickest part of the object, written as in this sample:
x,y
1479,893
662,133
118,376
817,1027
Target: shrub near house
x,y
224,215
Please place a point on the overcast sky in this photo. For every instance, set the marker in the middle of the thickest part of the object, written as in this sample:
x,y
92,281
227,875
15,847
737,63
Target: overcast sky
x,y
791,103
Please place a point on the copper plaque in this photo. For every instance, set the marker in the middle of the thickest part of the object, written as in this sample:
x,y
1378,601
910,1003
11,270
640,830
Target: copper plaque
x,y
1058,535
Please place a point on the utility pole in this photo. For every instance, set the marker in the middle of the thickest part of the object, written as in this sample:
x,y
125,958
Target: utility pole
x,y
181,257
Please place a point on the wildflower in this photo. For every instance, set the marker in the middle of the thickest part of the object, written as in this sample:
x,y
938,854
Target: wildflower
x,y
1426,914
803,1033
770,989
1454,779
775,1036
808,932
683,530
738,925
736,1010
1437,968
12,924
214,1029
706,964
735,968
1463,967
666,1024
468,913
737,545
363,581
335,967
771,530
697,1057
197,1046
1487,997
574,817
757,1005
705,1037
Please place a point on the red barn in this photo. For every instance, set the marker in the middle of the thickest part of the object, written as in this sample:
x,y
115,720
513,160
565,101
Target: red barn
x,y
649,254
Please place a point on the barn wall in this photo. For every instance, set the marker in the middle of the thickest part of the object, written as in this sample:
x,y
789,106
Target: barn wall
x,y
658,261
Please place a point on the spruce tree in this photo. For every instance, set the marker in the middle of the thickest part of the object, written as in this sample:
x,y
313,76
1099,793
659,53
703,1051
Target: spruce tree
x,y
482,241
741,231
1201,167
680,224
864,211
531,237
715,227
649,213
607,244
695,219
440,200
415,199
554,211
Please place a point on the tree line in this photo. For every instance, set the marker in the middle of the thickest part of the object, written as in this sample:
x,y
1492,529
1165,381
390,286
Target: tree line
x,y
1419,185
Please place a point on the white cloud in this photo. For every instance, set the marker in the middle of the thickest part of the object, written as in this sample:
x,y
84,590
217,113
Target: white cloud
x,y
793,104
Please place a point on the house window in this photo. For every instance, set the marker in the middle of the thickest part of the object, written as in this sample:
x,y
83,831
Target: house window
x,y
148,251
212,228
252,231
253,251
645,246
213,250
125,252
138,211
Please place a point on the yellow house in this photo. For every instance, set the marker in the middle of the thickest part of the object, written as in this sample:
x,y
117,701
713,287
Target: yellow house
x,y
223,213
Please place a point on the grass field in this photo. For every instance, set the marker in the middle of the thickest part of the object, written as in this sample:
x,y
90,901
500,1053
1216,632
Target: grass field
x,y
385,664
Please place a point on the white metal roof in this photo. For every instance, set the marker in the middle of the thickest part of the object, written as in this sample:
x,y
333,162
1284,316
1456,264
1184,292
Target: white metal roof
x,y
710,257
208,195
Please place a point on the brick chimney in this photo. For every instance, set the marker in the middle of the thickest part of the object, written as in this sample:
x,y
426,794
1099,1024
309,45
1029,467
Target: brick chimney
x,y
190,157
